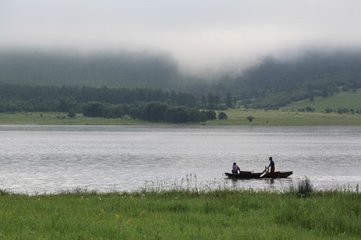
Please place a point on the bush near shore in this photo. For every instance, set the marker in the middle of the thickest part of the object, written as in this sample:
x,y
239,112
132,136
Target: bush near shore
x,y
220,214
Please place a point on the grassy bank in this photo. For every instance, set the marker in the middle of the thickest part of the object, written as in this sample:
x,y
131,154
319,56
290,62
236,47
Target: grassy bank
x,y
235,117
181,215
286,118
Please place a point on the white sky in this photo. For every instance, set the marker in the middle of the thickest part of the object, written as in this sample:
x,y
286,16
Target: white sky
x,y
202,35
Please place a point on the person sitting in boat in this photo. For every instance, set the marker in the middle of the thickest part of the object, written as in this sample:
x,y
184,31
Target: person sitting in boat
x,y
235,168
271,165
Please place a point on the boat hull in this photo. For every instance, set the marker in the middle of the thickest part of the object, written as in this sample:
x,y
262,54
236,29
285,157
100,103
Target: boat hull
x,y
243,175
278,174
251,175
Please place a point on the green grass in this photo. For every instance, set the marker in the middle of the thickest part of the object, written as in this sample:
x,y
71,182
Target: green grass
x,y
341,100
181,215
51,118
235,117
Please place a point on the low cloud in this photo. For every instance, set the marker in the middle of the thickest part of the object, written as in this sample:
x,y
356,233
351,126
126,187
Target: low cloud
x,y
205,37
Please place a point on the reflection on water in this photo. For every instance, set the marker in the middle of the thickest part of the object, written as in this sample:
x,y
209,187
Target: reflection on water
x,y
128,158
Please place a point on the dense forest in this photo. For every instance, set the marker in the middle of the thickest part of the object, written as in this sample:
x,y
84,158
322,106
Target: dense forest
x,y
155,77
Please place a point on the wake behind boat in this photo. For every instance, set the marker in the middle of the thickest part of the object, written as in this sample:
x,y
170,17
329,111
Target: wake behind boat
x,y
252,175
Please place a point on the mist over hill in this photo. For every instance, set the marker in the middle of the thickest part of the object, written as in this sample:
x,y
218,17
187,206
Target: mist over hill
x,y
122,69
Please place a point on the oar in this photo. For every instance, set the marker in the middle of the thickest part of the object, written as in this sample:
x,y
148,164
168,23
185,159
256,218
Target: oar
x,y
264,172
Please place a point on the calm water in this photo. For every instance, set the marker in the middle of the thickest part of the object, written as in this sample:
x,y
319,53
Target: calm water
x,y
38,159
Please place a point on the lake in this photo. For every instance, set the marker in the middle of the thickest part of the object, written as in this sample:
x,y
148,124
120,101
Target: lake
x,y
49,159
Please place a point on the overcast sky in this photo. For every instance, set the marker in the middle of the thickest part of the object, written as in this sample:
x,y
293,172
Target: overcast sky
x,y
200,34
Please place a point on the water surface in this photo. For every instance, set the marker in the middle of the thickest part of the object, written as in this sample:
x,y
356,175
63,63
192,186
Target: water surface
x,y
38,159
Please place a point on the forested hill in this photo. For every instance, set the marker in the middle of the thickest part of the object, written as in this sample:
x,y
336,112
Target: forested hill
x,y
271,84
124,69
275,83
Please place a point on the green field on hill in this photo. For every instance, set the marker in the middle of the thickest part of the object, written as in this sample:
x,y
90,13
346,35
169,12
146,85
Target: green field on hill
x,y
350,100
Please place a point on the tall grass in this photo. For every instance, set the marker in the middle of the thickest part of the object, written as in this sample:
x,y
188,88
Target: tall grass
x,y
303,188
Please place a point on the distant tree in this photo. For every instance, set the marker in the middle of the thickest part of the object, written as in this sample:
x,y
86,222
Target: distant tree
x,y
211,100
115,111
222,116
155,111
71,114
309,109
229,100
194,115
66,105
203,102
94,109
210,114
328,110
135,112
343,110
250,118
183,114
177,115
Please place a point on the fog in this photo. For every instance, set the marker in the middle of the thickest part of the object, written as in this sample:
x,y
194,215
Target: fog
x,y
203,36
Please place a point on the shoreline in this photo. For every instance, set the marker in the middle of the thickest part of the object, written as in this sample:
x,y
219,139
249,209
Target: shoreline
x,y
299,186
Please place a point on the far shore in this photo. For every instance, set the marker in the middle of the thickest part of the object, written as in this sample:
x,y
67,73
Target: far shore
x,y
235,117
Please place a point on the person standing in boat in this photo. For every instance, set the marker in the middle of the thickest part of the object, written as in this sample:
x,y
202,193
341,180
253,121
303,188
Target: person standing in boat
x,y
271,165
235,168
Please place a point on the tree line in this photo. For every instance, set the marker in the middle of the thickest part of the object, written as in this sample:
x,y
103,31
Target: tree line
x,y
153,111
146,104
51,98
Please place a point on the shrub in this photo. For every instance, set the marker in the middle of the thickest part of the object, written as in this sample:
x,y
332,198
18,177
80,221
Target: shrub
x,y
303,189
210,114
222,116
71,114
250,118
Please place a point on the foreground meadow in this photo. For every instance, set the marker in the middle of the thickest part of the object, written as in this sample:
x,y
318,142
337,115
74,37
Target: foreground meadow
x,y
181,215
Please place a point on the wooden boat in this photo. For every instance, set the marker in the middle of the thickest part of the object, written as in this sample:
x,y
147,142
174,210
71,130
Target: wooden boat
x,y
251,175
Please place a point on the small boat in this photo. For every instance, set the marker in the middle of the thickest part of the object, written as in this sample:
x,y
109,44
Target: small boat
x,y
252,175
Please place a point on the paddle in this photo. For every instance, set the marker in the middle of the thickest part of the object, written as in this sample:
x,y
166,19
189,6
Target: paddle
x,y
264,172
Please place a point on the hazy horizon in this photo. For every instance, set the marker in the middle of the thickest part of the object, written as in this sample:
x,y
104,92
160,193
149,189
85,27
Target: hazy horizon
x,y
203,37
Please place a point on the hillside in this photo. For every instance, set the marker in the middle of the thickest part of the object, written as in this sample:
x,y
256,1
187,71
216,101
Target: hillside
x,y
275,83
344,100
